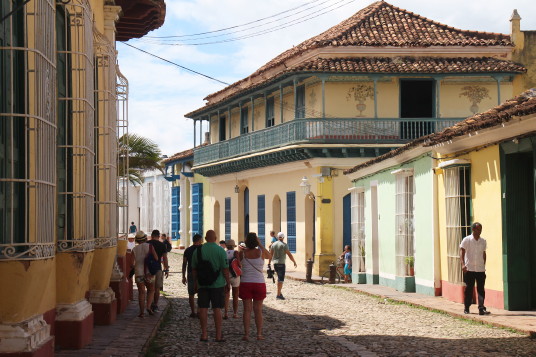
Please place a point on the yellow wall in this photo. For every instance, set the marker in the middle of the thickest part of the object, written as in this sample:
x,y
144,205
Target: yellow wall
x,y
486,194
28,289
486,209
452,104
73,270
329,217
101,268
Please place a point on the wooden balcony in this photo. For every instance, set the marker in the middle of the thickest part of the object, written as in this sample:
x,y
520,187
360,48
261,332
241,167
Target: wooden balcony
x,y
323,131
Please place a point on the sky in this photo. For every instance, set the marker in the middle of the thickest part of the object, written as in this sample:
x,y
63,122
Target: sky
x,y
161,93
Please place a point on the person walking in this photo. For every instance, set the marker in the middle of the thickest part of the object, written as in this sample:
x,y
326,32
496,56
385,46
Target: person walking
x,y
347,257
273,239
278,255
161,251
235,281
132,229
187,275
473,260
167,241
212,294
252,285
144,280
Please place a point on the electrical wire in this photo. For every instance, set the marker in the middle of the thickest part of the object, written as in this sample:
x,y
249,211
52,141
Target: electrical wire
x,y
259,26
176,64
254,34
236,26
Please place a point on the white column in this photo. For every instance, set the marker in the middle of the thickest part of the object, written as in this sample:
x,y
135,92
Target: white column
x,y
183,228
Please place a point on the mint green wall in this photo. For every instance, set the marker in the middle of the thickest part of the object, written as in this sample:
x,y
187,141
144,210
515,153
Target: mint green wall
x,y
423,220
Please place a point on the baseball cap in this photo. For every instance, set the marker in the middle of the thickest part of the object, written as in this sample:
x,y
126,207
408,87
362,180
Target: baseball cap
x,y
280,235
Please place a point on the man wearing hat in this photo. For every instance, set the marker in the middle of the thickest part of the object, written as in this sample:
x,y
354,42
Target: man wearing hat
x,y
279,251
235,280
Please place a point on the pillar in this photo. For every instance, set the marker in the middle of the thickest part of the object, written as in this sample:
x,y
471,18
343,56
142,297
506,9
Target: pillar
x,y
325,217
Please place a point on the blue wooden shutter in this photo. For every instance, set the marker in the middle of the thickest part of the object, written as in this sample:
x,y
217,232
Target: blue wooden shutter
x,y
291,221
346,220
175,216
261,213
227,218
197,208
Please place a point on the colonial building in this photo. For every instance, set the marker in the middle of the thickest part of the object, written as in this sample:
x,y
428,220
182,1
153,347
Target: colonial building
x,y
377,80
61,88
186,198
414,205
149,203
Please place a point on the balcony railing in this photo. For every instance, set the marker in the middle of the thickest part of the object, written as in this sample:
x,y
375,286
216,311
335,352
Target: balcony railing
x,y
323,131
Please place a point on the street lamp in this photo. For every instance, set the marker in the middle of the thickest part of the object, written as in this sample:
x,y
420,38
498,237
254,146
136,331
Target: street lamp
x,y
237,189
306,187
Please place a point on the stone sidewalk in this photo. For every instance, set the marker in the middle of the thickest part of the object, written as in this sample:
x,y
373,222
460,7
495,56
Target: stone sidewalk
x,y
128,336
521,321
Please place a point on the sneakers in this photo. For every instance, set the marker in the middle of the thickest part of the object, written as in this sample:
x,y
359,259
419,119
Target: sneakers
x,y
483,312
465,311
280,297
154,308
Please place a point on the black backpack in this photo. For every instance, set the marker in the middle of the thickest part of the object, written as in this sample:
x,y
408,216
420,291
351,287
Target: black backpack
x,y
205,273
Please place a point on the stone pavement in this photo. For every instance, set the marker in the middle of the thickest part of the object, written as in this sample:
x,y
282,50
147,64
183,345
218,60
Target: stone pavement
x,y
128,336
317,320
522,321
327,320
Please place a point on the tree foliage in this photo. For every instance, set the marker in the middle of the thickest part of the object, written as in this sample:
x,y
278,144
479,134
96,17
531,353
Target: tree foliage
x,y
143,155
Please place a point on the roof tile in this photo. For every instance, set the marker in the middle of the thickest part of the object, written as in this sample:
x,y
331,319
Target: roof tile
x,y
377,25
524,104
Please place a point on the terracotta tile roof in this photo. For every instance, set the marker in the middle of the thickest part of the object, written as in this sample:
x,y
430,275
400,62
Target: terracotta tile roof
x,y
523,104
379,24
392,65
382,24
410,65
179,156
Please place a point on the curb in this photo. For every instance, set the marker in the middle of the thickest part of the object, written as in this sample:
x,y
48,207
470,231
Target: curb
x,y
151,336
531,334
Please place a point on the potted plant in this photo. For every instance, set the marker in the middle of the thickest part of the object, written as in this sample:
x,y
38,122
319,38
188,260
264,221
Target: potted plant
x,y
410,263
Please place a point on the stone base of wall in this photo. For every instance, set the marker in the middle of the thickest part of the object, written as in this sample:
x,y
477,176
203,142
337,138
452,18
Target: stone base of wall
x,y
121,290
45,350
405,284
104,306
74,325
28,338
359,278
455,292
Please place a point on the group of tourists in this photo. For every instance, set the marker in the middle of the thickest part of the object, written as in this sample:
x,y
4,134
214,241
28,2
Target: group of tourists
x,y
150,256
232,270
217,272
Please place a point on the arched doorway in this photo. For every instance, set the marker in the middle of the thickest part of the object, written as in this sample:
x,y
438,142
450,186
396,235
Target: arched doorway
x,y
216,222
276,214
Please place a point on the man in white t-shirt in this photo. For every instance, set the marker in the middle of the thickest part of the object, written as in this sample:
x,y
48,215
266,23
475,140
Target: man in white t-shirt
x,y
473,259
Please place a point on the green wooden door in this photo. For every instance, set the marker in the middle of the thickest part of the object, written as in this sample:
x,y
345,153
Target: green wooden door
x,y
519,233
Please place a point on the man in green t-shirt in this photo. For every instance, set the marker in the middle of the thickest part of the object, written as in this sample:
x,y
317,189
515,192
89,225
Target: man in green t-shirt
x,y
213,294
279,251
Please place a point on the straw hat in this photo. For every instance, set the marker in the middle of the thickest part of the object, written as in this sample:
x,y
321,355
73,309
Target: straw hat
x,y
140,237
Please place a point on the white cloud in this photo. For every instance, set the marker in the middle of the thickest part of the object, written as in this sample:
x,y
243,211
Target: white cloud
x,y
161,93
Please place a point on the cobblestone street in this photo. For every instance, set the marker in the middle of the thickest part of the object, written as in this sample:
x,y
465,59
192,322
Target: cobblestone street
x,y
318,320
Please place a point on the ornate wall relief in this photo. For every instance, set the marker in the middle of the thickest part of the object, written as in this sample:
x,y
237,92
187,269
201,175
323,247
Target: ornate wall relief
x,y
359,93
475,94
